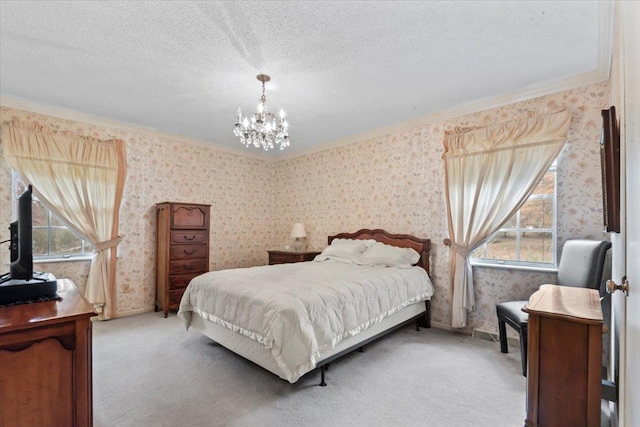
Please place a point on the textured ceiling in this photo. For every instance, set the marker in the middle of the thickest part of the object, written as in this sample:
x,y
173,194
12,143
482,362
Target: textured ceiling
x,y
338,68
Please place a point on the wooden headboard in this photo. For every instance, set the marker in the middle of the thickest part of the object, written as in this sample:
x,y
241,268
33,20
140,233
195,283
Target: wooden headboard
x,y
422,246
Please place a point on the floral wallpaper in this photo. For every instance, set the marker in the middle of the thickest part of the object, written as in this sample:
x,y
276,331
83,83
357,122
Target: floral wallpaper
x,y
162,169
394,182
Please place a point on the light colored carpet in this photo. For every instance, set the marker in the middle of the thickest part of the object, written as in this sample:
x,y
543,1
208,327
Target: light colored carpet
x,y
149,371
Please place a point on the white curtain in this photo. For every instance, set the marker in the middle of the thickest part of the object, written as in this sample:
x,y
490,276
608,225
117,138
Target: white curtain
x,y
81,180
489,174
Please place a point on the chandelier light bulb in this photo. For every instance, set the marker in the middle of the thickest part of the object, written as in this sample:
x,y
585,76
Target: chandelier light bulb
x,y
262,129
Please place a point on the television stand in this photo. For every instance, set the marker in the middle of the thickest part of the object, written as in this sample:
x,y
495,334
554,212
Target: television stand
x,y
42,285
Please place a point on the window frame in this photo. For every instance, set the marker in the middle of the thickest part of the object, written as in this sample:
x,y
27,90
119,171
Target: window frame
x,y
518,229
87,248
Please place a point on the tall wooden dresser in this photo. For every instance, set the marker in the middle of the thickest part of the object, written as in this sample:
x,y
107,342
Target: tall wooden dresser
x,y
182,250
565,357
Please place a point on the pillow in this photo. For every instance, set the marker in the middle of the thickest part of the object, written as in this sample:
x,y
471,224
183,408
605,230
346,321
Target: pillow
x,y
380,254
344,250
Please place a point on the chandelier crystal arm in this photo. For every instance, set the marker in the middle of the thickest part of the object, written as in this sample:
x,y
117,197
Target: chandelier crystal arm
x,y
262,129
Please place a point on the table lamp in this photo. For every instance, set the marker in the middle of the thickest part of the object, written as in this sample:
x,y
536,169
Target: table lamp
x,y
298,235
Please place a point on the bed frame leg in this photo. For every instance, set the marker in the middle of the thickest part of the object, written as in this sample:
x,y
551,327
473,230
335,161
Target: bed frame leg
x,y
322,369
418,324
425,319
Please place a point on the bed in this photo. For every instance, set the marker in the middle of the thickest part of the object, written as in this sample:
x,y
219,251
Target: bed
x,y
293,318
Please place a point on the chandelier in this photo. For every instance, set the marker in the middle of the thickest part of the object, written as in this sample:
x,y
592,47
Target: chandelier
x,y
262,129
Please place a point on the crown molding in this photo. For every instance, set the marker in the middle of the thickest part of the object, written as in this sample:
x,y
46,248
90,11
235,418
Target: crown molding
x,y
66,114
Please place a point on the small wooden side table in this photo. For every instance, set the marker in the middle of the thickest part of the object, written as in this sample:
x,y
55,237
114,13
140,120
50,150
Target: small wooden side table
x,y
285,257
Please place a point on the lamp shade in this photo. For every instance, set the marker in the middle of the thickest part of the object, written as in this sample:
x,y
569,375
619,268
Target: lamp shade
x,y
298,230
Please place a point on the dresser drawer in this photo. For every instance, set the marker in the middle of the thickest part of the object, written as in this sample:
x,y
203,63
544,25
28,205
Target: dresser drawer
x,y
191,237
188,266
188,251
182,280
284,257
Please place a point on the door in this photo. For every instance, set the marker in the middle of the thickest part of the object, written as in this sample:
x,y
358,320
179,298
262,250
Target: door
x,y
627,257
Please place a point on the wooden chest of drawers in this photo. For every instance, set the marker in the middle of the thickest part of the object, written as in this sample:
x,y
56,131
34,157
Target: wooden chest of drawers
x,y
182,251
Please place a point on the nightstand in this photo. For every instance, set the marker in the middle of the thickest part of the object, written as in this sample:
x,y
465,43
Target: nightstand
x,y
284,257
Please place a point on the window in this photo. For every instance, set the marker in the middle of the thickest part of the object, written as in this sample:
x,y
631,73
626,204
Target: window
x,y
529,237
52,240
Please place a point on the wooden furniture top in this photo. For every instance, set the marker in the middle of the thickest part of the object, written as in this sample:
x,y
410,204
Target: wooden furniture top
x,y
422,246
37,314
181,203
576,304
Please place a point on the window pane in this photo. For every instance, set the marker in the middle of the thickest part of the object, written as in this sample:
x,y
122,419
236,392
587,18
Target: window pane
x,y
512,222
536,247
523,244
39,214
537,213
502,246
55,222
64,241
40,241
547,185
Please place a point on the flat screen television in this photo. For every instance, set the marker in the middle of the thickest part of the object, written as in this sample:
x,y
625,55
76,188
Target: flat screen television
x,y
21,284
21,266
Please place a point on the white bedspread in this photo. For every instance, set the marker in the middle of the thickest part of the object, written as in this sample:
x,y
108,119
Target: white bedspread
x,y
298,310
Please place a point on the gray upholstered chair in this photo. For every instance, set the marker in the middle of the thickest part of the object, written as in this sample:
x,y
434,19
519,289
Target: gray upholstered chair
x,y
581,265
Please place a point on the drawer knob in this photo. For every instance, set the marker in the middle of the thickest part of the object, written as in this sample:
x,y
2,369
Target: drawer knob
x,y
191,252
189,238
